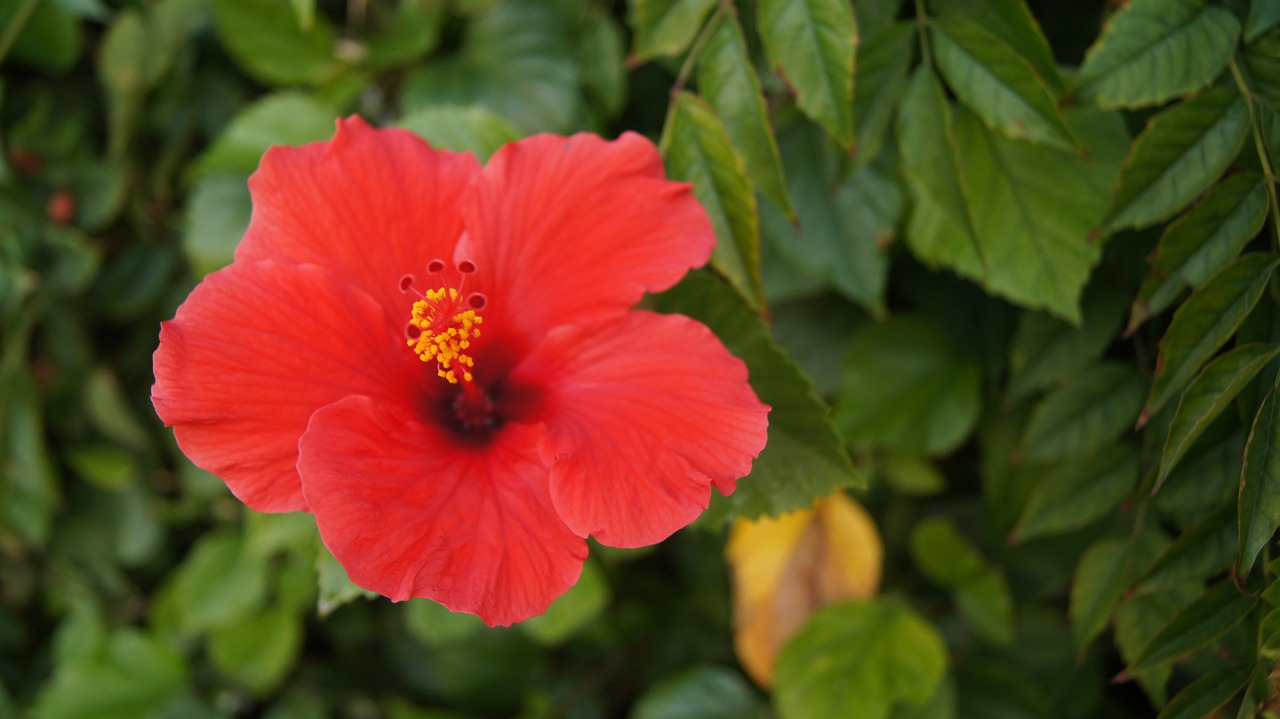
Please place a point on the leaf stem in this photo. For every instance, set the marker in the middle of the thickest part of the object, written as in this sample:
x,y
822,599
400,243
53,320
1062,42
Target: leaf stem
x,y
16,22
922,30
1261,147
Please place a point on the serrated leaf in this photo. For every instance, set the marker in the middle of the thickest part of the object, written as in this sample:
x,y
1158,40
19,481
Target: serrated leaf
x,y
264,38
1207,693
1012,22
1201,551
697,150
883,62
472,128
1199,242
1259,506
1181,151
997,83
665,27
1204,323
907,387
1046,349
804,459
1154,50
859,660
1075,494
811,44
1207,618
1209,394
1085,413
284,118
728,82
1105,570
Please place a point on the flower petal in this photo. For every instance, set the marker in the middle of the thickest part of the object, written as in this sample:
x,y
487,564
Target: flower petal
x,y
412,511
577,229
643,415
252,353
374,204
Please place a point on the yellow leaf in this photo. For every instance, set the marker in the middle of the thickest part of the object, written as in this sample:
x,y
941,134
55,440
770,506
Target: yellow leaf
x,y
785,569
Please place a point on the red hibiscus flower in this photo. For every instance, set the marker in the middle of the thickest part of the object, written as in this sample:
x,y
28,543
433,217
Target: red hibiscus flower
x,y
440,361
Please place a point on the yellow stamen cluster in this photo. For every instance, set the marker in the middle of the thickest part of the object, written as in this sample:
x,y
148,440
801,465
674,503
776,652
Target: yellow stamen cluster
x,y
446,334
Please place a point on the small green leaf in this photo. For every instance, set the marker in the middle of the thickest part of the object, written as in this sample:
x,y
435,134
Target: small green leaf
x,y
1154,50
1201,241
664,28
1204,323
283,118
1201,551
334,587
981,591
1260,484
1209,617
859,660
1087,412
811,44
264,38
728,82
1105,570
997,83
907,387
218,584
1209,394
703,692
1013,24
1207,693
216,220
697,150
573,610
259,651
1181,151
103,466
804,459
1072,495
473,129
1046,349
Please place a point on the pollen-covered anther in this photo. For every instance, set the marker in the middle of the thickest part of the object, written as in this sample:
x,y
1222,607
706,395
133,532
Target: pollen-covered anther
x,y
447,323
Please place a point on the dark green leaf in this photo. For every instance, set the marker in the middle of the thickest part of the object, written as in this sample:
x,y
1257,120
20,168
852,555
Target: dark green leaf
x,y
1201,551
259,651
413,32
981,591
1181,151
1209,617
50,39
728,82
1263,16
1260,484
1105,570
704,692
803,460
1207,693
1204,323
132,677
1072,495
1046,349
665,27
883,61
907,387
1209,394
471,129
697,150
1198,243
1088,411
1153,50
1138,620
811,44
859,660
283,118
264,37
1012,23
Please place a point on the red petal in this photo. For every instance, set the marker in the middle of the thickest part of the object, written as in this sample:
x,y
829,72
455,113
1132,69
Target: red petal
x,y
643,416
411,511
577,229
374,204
252,353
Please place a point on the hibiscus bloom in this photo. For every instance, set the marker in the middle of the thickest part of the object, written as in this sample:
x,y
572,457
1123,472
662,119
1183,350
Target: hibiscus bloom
x,y
441,362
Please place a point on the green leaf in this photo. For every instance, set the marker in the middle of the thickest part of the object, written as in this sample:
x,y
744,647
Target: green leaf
x,y
412,33
1072,495
697,150
334,587
859,660
1263,16
1012,23
473,129
282,118
1201,241
1200,552
981,591
1209,617
664,28
434,625
51,38
883,62
728,82
218,584
1105,570
1046,349
803,460
1138,620
573,610
132,677
1181,151
517,60
1087,412
703,692
1207,693
305,10
1260,484
264,38
997,83
216,220
1154,50
907,387
1209,394
28,486
811,44
258,652
1204,323
103,466
601,55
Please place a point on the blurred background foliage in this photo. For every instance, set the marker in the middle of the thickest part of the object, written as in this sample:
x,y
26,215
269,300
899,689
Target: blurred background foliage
x,y
1003,269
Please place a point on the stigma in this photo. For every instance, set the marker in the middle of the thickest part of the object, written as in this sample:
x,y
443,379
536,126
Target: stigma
x,y
444,323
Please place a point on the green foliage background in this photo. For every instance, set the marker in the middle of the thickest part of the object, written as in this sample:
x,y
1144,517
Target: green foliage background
x,y
1004,270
